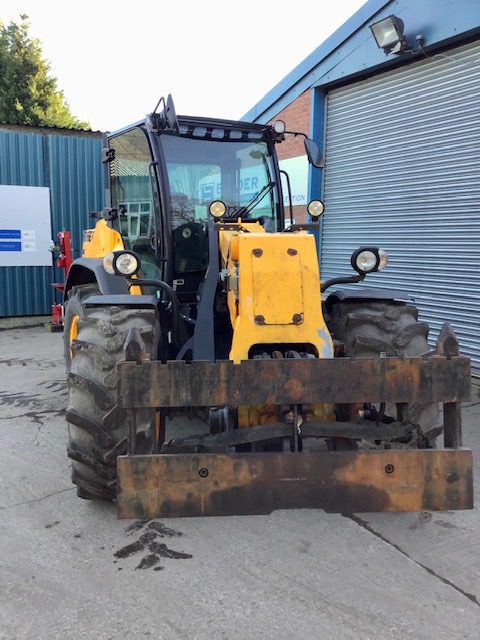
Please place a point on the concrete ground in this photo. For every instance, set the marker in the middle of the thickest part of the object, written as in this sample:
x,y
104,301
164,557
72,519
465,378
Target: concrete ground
x,y
70,570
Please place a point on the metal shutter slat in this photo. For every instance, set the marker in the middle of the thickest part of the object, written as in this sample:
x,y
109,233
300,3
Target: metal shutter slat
x,y
402,172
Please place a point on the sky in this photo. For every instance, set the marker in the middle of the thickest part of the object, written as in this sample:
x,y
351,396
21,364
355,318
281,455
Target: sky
x,y
114,60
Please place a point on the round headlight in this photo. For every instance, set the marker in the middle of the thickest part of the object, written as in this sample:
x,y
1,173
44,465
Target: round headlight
x,y
126,264
279,126
108,263
315,208
121,263
365,259
217,209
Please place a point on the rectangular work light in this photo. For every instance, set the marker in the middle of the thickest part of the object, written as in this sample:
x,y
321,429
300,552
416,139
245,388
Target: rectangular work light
x,y
388,34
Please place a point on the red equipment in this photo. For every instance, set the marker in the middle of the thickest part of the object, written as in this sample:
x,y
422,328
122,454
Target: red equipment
x,y
64,260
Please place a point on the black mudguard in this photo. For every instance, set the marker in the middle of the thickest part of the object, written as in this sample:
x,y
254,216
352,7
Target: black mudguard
x,y
90,270
367,293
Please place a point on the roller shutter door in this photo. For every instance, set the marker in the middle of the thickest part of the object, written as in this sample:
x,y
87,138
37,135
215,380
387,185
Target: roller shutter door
x,y
403,173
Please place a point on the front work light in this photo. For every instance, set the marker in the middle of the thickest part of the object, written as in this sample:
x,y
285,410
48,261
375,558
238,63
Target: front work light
x,y
279,130
315,208
217,209
368,259
389,36
121,263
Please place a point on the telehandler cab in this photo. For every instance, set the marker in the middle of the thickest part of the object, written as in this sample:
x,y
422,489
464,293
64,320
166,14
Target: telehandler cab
x,y
210,370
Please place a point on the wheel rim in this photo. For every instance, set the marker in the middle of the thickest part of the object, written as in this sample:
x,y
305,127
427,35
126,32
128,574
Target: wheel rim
x,y
73,333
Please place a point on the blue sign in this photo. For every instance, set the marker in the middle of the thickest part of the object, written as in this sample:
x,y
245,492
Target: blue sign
x,y
10,246
10,234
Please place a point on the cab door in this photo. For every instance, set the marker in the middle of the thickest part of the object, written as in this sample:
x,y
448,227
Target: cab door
x,y
134,193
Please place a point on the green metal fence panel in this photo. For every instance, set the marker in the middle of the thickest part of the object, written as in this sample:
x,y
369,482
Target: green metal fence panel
x,y
70,165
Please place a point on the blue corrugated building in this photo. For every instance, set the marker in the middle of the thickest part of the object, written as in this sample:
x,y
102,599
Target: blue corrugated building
x,y
68,162
398,119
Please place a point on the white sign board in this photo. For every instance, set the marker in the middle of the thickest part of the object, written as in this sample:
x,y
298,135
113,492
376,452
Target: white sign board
x,y
252,179
297,169
25,227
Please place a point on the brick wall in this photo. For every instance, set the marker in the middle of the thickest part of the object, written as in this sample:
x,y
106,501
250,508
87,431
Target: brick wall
x,y
297,118
299,214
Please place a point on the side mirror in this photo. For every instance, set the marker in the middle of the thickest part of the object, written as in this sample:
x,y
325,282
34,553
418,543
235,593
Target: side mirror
x,y
171,115
313,153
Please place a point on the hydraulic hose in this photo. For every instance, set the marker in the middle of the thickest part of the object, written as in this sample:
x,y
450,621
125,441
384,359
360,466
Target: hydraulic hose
x,y
179,331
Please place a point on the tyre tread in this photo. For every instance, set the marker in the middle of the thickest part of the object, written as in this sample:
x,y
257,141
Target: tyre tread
x,y
98,428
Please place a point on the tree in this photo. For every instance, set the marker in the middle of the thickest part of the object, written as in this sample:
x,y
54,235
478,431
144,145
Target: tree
x,y
28,93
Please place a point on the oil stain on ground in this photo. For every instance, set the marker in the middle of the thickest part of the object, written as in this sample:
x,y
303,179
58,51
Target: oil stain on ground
x,y
148,543
29,362
18,399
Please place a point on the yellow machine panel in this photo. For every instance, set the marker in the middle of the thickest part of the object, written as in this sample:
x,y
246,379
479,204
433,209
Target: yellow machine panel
x,y
273,268
101,240
275,284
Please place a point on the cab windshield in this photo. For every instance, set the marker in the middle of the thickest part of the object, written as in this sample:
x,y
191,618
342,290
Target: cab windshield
x,y
207,164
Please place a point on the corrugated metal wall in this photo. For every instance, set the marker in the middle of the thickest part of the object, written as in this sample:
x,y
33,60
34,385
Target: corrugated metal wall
x,y
70,165
403,173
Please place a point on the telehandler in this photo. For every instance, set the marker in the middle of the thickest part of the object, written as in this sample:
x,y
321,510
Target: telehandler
x,y
212,372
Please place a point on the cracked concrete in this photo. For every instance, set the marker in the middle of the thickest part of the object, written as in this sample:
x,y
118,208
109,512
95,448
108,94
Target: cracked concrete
x,y
49,495
446,581
64,572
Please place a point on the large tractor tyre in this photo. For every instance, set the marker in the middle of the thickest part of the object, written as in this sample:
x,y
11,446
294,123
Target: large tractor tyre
x,y
98,428
74,309
371,329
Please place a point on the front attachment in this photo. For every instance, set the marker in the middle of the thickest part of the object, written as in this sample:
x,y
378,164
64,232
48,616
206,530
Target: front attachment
x,y
258,483
204,477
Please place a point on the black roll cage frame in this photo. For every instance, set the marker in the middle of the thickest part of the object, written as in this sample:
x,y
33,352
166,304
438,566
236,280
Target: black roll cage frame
x,y
159,177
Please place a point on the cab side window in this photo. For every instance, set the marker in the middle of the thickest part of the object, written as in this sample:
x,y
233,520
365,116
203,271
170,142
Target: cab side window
x,y
131,194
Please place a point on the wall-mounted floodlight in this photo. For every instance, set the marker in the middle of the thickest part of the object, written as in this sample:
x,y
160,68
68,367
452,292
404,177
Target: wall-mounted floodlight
x,y
389,36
